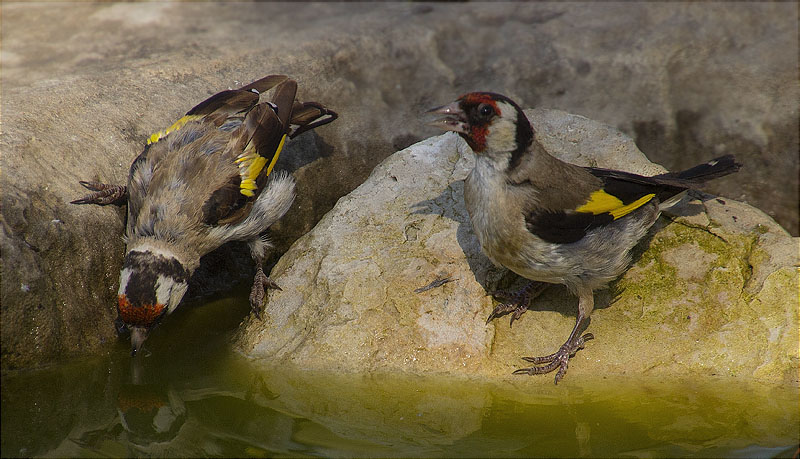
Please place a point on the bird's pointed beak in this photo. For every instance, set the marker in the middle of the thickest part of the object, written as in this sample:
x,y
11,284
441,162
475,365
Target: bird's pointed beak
x,y
454,118
138,335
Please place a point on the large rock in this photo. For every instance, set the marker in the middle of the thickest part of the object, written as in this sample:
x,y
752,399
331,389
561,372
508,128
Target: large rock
x,y
714,291
84,84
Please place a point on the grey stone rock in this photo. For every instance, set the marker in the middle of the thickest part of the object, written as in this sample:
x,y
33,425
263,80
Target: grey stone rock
x,y
713,291
84,85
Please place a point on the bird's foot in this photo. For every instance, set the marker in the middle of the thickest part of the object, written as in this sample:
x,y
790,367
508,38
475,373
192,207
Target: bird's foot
x,y
517,301
517,308
559,359
260,283
103,194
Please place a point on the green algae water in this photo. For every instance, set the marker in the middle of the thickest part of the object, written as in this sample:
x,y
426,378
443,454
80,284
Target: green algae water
x,y
193,396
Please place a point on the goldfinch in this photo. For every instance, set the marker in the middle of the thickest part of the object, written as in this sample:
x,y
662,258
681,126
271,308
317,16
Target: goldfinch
x,y
553,222
202,182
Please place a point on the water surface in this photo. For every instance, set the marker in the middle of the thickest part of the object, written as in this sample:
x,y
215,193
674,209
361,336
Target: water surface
x,y
193,396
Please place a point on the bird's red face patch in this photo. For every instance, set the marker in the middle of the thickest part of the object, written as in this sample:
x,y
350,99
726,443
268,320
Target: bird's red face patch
x,y
477,98
144,315
477,138
480,108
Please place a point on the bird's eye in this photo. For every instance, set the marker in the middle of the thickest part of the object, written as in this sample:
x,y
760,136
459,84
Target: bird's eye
x,y
485,110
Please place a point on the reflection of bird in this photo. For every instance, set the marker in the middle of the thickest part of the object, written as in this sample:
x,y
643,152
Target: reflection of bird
x,y
554,222
200,183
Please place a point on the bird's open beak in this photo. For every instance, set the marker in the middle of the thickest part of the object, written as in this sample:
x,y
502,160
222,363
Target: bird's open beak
x,y
138,335
455,119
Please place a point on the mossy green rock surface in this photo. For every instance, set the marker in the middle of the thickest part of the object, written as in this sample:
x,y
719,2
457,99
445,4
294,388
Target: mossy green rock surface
x,y
713,289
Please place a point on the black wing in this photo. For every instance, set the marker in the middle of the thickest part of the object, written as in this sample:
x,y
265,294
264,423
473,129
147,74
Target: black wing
x,y
257,145
622,193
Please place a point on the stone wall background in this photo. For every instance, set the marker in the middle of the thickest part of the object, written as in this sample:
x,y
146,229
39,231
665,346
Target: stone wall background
x,y
84,84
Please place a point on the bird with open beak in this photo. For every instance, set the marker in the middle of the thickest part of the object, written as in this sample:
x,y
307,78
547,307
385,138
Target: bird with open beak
x,y
202,182
553,222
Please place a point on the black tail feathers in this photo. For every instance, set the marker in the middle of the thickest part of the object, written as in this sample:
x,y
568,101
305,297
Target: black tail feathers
x,y
309,115
717,167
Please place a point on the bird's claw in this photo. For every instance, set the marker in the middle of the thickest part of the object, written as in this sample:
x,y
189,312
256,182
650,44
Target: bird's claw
x,y
518,301
103,193
504,308
558,359
260,283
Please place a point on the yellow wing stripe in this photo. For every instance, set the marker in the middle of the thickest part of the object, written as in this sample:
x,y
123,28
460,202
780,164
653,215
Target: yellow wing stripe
x,y
175,126
625,210
601,202
275,157
250,165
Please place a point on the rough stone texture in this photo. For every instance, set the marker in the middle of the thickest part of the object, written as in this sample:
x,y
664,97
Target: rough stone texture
x,y
714,292
83,85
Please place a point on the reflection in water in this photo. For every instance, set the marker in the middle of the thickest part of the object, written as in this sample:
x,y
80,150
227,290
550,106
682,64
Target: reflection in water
x,y
193,397
148,413
147,416
242,410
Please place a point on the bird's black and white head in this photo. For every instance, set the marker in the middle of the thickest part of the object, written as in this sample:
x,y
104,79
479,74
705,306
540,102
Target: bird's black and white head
x,y
490,123
151,285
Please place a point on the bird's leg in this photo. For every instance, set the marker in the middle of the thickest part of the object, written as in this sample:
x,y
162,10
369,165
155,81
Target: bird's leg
x,y
261,282
560,359
103,194
517,302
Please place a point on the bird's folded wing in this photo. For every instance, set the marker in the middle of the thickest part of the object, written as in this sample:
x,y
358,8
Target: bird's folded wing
x,y
255,147
620,195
